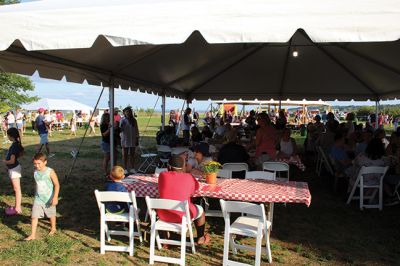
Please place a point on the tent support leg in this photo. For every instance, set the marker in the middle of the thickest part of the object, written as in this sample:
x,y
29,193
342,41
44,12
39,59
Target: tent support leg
x,y
83,138
376,113
111,107
163,112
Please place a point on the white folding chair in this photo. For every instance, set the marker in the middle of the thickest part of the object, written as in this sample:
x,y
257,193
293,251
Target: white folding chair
x,y
277,168
360,183
132,216
235,167
148,159
224,173
159,225
324,161
164,151
254,225
262,175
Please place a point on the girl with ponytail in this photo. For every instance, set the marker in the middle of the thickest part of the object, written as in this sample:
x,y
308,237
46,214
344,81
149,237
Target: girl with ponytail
x,y
14,168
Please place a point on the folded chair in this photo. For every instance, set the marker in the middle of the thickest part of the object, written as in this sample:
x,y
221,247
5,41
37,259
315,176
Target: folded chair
x,y
148,160
159,225
253,225
132,216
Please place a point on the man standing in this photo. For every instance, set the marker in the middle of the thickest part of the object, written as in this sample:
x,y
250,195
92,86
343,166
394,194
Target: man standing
x,y
186,124
42,128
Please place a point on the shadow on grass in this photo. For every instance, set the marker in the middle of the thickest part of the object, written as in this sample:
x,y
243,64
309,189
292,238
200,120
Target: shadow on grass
x,y
328,232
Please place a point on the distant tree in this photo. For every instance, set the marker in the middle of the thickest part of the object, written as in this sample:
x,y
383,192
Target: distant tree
x,y
13,91
8,2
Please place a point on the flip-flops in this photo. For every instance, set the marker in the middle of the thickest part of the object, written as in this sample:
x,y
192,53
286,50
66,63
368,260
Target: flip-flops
x,y
10,211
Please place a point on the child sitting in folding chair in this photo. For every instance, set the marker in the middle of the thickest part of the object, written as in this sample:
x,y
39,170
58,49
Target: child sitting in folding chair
x,y
115,184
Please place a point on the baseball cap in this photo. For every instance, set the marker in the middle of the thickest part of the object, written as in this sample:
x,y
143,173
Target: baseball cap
x,y
41,109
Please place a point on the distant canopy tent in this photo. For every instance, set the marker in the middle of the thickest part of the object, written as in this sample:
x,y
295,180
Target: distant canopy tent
x,y
59,105
210,49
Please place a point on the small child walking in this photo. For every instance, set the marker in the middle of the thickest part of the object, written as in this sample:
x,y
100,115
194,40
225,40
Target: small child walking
x,y
46,196
14,168
73,126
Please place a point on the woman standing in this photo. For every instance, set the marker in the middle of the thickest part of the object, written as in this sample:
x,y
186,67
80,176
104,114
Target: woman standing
x,y
129,139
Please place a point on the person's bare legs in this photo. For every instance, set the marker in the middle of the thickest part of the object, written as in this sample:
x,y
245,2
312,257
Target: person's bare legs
x,y
202,237
18,195
40,148
34,228
53,228
47,148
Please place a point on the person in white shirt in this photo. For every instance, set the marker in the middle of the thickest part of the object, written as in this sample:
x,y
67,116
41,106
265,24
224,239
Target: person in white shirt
x,y
49,120
19,121
10,119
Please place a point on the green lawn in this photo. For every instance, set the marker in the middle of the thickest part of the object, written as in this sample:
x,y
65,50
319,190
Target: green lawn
x,y
329,232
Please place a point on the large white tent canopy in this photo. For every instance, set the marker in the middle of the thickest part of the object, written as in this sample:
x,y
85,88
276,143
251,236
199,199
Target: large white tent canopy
x,y
211,49
59,105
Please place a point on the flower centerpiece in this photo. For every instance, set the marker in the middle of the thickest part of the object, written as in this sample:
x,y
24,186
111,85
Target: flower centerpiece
x,y
210,170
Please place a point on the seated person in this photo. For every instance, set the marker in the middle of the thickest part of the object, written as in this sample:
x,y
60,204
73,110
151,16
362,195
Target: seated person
x,y
366,138
373,156
339,155
168,189
168,137
232,152
206,133
287,145
196,135
115,184
220,130
266,138
201,154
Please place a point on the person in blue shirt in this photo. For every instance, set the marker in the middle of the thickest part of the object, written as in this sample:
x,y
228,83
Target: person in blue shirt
x,y
115,184
42,128
339,155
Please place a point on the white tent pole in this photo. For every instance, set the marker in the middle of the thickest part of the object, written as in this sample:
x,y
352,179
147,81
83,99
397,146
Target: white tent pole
x,y
163,112
111,107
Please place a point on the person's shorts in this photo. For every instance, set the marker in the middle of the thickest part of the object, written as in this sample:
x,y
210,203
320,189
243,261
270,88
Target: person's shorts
x,y
199,212
10,125
15,172
19,125
44,138
40,210
391,179
105,147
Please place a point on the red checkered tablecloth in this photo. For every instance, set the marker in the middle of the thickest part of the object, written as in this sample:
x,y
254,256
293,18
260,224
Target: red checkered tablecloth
x,y
231,189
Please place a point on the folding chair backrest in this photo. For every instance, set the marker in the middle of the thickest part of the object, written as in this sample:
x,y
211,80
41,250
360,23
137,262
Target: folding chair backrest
x,y
277,168
236,167
228,207
373,170
328,161
224,173
108,196
167,204
261,175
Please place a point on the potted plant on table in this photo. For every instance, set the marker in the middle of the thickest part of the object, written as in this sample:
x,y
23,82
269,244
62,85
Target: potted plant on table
x,y
210,169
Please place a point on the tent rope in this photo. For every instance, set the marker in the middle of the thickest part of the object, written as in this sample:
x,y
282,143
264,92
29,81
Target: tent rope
x,y
83,138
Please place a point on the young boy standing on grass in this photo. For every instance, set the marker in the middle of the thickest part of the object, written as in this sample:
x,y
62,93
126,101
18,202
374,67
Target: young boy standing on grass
x,y
46,196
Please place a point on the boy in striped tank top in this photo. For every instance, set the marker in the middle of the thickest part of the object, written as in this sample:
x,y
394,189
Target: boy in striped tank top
x,y
46,196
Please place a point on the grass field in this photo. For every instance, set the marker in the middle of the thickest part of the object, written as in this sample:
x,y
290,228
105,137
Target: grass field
x,y
329,232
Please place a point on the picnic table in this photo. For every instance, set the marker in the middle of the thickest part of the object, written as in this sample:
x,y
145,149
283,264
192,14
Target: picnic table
x,y
231,189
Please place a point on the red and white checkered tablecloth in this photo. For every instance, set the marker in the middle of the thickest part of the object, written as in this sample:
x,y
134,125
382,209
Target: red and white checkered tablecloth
x,y
231,189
